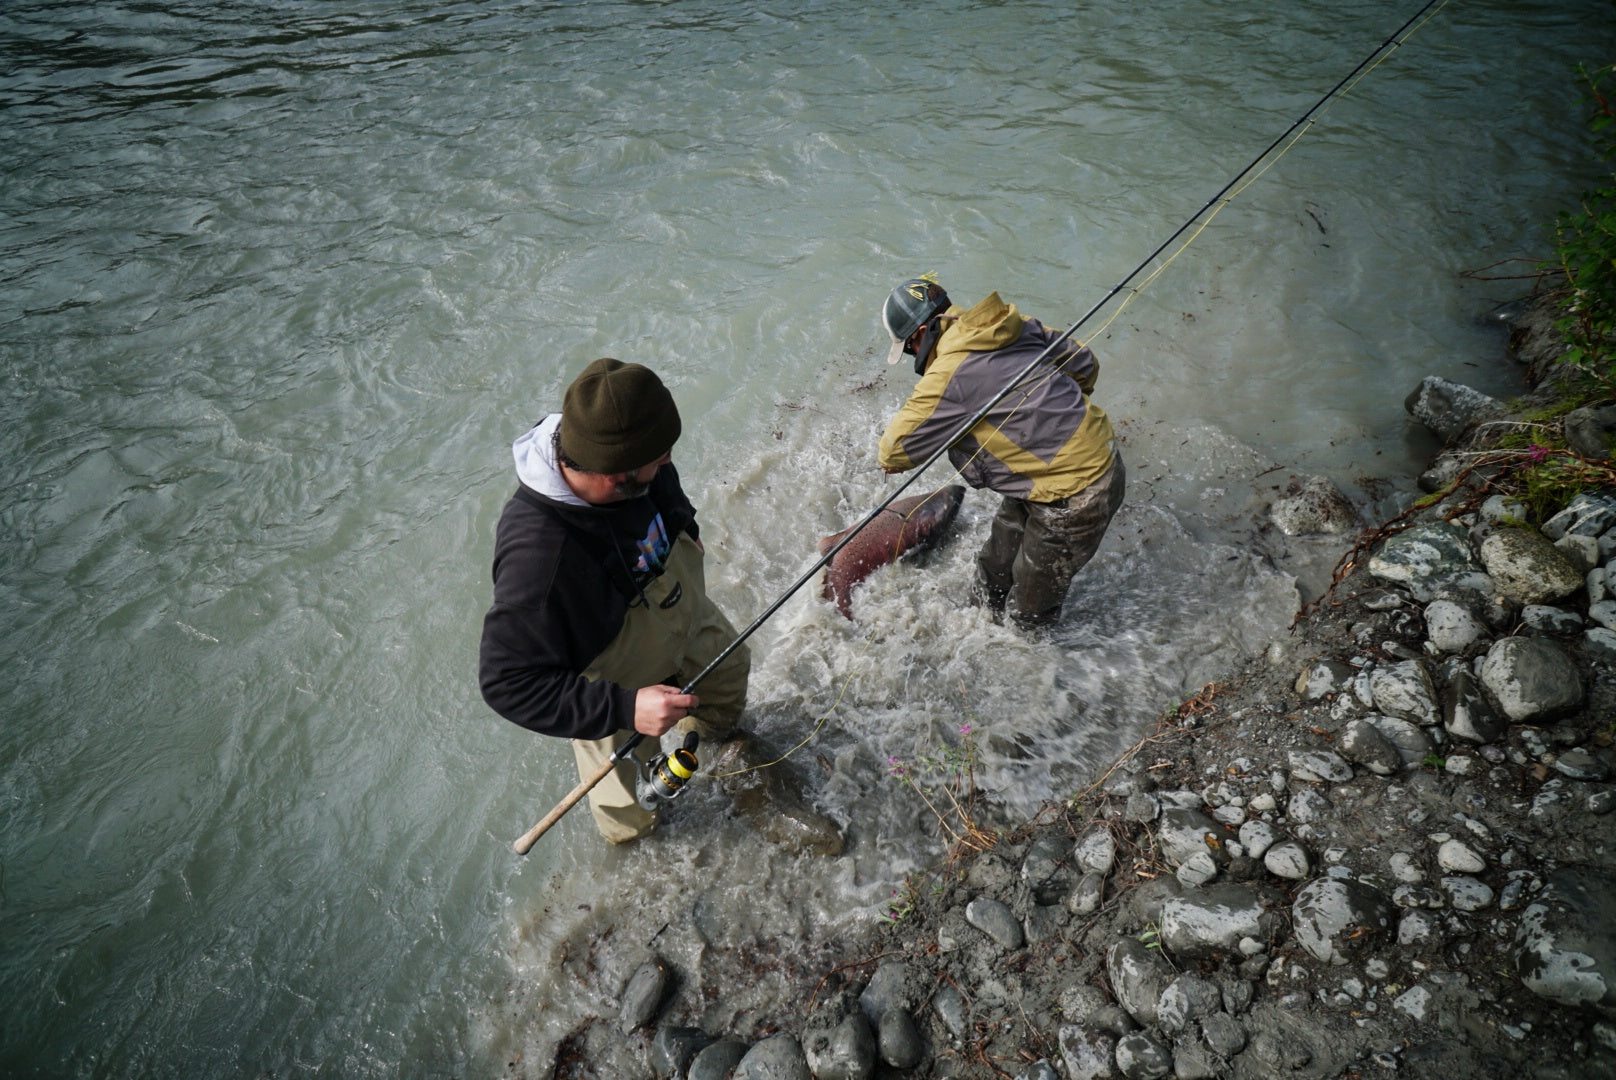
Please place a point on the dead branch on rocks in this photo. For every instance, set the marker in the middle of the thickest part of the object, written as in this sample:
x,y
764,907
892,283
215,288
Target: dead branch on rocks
x,y
812,998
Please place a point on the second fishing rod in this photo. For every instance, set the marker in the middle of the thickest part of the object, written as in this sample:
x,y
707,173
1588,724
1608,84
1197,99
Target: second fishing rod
x,y
1201,217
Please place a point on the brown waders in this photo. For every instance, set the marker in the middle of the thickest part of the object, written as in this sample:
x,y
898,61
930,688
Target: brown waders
x,y
669,640
1034,550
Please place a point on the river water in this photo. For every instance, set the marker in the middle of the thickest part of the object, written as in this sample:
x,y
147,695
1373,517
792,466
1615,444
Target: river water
x,y
279,283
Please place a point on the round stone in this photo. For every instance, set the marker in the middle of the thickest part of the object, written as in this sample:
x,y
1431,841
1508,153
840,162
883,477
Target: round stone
x,y
1287,860
1458,858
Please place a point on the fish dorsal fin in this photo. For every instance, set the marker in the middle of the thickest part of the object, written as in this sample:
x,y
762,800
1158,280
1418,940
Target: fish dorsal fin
x,y
831,541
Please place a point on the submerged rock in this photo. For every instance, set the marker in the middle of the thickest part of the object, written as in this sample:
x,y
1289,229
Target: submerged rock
x,y
766,795
642,998
1312,507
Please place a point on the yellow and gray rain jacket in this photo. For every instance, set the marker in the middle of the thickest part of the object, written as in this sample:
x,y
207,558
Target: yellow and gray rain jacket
x,y
1044,442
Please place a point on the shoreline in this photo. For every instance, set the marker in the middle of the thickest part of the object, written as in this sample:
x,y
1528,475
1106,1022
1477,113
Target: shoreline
x,y
1379,848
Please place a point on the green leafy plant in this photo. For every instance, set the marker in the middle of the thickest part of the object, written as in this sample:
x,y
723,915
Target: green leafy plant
x,y
1542,473
1584,264
1582,273
904,901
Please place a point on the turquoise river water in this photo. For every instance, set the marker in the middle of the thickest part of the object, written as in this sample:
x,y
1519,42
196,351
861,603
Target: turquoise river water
x,y
280,282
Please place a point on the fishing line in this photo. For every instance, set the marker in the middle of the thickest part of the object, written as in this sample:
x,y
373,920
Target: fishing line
x,y
1223,197
1226,194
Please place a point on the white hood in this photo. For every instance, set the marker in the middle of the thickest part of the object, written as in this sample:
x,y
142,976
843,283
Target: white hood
x,y
536,464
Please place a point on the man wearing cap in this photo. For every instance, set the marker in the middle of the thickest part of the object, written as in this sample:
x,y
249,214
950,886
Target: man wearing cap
x,y
1046,448
600,604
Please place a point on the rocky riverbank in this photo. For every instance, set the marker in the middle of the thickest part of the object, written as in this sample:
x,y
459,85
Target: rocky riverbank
x,y
1384,847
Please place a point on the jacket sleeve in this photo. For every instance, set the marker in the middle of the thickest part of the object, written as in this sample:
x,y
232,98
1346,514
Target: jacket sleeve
x,y
535,646
530,683
921,427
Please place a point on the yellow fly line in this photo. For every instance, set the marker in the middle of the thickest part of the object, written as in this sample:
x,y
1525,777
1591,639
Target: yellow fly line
x,y
1270,157
1243,180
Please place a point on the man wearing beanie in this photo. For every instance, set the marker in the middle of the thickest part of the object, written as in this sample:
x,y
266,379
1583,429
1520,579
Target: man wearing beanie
x,y
600,607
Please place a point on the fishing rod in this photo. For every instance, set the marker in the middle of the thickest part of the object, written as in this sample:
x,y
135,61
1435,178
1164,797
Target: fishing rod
x,y
1375,56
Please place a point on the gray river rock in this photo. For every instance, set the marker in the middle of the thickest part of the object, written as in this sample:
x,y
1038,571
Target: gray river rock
x,y
1468,714
776,1058
1214,921
717,1061
1567,939
1450,410
1424,557
1333,917
1452,627
1313,507
1363,744
1531,679
1138,973
846,1052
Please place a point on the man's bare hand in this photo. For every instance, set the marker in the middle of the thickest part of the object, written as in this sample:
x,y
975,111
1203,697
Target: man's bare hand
x,y
658,708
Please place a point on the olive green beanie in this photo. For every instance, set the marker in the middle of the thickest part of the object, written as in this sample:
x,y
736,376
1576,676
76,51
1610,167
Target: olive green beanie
x,y
617,417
